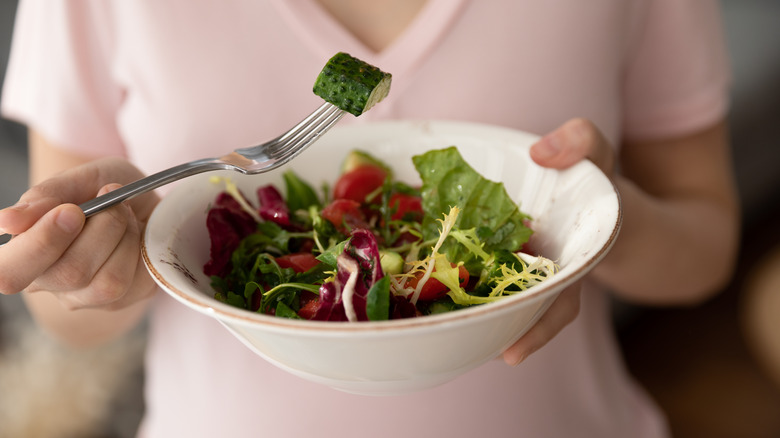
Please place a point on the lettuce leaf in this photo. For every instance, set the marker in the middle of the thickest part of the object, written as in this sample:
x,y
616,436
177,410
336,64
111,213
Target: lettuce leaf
x,y
485,206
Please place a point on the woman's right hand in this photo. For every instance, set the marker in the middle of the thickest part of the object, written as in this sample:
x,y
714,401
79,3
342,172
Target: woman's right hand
x,y
85,264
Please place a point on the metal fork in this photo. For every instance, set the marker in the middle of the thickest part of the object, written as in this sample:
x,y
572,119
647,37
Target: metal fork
x,y
252,160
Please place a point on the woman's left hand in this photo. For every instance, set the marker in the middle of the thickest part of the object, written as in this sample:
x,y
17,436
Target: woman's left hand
x,y
575,140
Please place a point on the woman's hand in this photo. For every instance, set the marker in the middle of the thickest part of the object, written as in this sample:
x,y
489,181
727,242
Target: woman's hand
x,y
573,141
680,214
83,264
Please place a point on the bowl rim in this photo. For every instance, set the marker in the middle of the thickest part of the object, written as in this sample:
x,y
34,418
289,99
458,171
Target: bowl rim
x,y
222,311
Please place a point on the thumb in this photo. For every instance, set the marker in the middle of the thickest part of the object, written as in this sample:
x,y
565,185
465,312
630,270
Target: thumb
x,y
72,186
575,140
19,217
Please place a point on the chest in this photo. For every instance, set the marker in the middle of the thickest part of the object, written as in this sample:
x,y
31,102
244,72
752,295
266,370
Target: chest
x,y
376,24
240,74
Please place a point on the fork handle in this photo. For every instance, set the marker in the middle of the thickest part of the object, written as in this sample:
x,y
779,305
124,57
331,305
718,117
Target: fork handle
x,y
149,183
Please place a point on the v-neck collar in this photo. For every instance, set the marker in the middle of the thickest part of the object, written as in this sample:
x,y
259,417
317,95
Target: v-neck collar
x,y
326,36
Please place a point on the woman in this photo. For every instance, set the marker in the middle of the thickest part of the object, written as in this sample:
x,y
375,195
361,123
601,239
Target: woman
x,y
639,86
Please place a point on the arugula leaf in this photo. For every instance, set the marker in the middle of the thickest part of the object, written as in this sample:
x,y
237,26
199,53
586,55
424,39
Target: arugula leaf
x,y
285,291
442,305
378,300
299,194
324,234
284,311
272,235
329,256
231,298
447,180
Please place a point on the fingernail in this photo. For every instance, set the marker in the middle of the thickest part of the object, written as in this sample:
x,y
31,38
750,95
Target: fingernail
x,y
547,147
108,188
19,206
517,361
68,220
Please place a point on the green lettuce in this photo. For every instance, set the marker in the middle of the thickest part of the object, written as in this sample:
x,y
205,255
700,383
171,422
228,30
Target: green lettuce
x,y
485,206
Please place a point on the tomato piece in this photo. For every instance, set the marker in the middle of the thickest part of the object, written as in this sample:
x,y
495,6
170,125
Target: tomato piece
x,y
310,302
406,237
300,262
256,300
344,213
433,289
405,206
358,183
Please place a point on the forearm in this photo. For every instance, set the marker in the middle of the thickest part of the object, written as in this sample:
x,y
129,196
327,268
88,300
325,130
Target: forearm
x,y
82,328
72,320
676,250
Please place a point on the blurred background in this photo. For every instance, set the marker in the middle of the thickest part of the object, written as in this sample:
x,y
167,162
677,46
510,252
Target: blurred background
x,y
714,369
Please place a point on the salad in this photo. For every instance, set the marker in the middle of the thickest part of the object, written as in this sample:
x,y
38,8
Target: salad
x,y
371,247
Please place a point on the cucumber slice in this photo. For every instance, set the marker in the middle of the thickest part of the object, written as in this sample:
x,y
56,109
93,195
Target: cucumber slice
x,y
357,158
351,84
392,262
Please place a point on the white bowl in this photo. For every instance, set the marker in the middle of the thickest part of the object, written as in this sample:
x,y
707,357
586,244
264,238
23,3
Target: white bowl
x,y
576,216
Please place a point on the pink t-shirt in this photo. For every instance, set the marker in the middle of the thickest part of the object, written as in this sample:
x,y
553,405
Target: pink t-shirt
x,y
166,81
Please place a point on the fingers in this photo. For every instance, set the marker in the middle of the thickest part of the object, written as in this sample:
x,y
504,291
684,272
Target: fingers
x,y
82,264
68,187
20,217
99,239
74,185
109,275
86,265
29,254
573,141
562,312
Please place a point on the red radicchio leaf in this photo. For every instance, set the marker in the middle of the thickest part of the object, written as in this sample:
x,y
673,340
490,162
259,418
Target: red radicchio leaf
x,y
272,206
227,224
341,300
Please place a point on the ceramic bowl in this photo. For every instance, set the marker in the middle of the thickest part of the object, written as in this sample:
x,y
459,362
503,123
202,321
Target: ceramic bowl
x,y
576,216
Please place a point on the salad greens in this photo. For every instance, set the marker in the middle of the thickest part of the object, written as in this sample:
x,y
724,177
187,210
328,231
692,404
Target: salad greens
x,y
372,248
488,213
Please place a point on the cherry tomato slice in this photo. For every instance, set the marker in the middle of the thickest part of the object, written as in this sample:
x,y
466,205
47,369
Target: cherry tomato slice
x,y
358,183
310,302
434,289
300,262
344,213
405,206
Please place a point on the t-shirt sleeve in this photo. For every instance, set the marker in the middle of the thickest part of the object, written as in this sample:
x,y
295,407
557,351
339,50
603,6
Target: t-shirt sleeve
x,y
678,74
59,78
